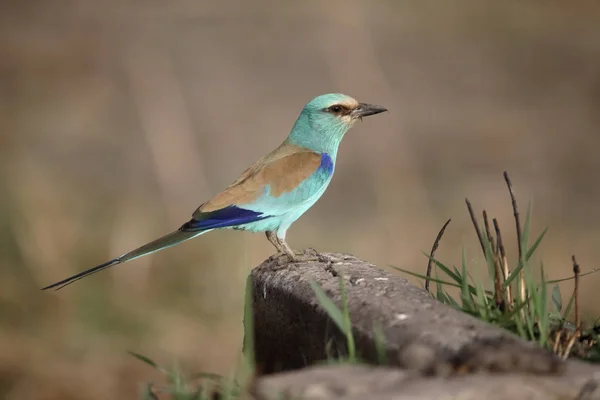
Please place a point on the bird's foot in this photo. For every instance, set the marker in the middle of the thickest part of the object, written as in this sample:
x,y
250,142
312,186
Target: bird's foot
x,y
291,257
279,258
309,254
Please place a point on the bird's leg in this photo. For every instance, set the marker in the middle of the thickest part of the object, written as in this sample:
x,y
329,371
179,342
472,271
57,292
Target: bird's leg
x,y
286,248
275,242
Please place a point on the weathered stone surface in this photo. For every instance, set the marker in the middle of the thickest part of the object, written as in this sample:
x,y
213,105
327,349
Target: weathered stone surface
x,y
383,383
442,353
292,331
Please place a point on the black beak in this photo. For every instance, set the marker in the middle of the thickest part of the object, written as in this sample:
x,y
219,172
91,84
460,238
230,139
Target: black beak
x,y
365,109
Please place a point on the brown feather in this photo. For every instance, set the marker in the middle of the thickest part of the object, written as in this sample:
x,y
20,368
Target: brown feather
x,y
283,169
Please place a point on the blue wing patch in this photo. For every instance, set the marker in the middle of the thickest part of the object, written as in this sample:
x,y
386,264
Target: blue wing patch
x,y
225,217
326,164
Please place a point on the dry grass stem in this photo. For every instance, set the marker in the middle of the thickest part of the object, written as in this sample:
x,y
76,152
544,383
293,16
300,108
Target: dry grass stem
x,y
504,260
556,345
523,291
576,272
476,225
570,344
433,249
488,232
498,279
516,215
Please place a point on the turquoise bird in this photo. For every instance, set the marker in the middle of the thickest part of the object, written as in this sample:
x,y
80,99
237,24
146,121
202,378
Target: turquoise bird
x,y
274,192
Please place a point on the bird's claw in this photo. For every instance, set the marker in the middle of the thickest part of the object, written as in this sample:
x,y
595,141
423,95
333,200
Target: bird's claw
x,y
306,256
296,257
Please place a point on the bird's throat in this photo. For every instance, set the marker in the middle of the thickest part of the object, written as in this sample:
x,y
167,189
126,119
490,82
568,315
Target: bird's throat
x,y
317,135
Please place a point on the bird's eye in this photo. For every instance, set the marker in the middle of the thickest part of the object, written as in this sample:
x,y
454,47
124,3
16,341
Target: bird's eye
x,y
335,109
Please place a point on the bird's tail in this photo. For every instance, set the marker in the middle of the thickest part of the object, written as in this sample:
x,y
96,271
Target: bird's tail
x,y
161,243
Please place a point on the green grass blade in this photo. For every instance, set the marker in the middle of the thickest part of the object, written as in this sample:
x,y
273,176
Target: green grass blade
x,y
530,313
465,293
231,390
451,301
380,344
330,307
347,323
418,275
445,269
458,273
530,326
518,307
535,245
489,258
443,282
513,275
482,303
144,359
569,306
515,316
178,384
524,240
526,228
556,298
148,361
439,289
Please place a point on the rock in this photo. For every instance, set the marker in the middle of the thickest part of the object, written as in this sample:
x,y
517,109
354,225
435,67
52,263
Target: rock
x,y
360,382
430,350
415,331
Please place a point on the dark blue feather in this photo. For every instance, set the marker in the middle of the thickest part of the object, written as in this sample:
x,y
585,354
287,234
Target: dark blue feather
x,y
225,217
326,164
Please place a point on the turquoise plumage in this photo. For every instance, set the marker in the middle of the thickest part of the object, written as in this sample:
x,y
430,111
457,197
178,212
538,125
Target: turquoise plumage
x,y
275,191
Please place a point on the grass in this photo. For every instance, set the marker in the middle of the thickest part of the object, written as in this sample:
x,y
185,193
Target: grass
x,y
214,386
207,386
340,317
515,300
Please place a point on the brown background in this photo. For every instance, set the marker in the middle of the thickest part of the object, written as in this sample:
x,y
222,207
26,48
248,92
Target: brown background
x,y
118,118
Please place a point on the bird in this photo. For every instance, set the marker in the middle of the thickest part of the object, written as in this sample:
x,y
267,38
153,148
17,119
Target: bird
x,y
276,190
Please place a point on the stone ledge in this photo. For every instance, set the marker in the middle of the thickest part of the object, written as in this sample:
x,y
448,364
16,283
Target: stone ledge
x,y
431,349
292,331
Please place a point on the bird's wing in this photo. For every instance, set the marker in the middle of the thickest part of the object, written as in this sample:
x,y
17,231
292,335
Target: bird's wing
x,y
254,194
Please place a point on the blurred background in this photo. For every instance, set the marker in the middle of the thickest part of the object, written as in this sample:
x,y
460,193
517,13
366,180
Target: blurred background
x,y
118,118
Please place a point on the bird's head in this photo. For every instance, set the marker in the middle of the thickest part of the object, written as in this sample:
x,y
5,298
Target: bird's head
x,y
325,120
